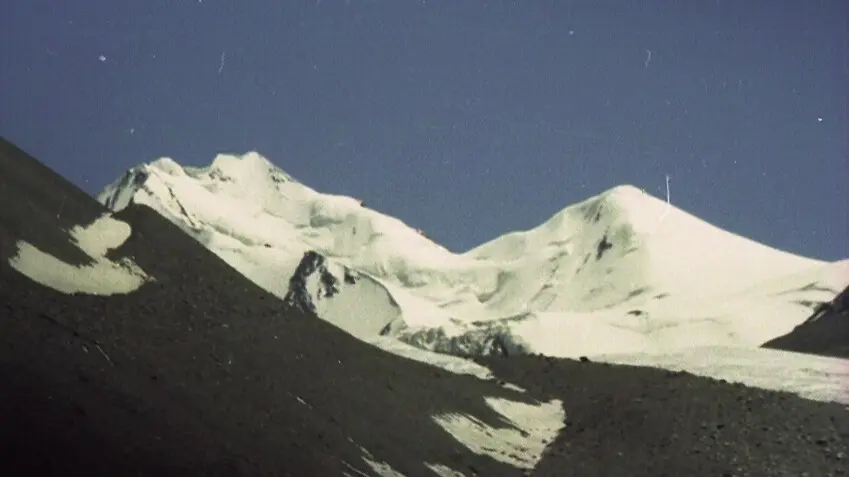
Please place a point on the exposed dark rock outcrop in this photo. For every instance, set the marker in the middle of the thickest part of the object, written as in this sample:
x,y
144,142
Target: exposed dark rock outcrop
x,y
825,332
603,246
311,263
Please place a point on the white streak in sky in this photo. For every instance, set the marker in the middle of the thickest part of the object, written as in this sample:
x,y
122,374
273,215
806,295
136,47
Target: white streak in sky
x,y
648,58
221,65
668,203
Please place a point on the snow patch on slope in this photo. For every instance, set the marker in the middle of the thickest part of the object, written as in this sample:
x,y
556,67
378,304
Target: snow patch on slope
x,y
382,469
101,277
448,362
443,470
522,445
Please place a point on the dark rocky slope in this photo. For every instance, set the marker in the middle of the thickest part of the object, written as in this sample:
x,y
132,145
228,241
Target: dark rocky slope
x,y
207,374
203,373
825,332
642,422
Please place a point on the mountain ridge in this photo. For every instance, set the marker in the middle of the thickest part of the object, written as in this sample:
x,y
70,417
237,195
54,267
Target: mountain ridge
x,y
621,262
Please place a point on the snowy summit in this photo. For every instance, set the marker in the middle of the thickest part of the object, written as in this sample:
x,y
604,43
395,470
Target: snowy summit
x,y
621,272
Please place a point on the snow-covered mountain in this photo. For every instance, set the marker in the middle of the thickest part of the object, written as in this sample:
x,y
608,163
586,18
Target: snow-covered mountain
x,y
621,272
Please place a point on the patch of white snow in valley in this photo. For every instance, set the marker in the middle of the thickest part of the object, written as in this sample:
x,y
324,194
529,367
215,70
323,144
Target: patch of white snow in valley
x,y
532,428
101,277
447,362
813,377
570,335
656,325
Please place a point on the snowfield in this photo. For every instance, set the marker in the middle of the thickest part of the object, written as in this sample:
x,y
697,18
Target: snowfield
x,y
813,377
101,277
622,275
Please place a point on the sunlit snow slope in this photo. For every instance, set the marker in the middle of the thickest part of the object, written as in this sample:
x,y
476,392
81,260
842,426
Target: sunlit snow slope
x,y
621,272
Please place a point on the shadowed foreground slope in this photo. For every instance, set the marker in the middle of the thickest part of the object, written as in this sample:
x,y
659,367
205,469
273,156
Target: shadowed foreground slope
x,y
201,372
644,422
825,332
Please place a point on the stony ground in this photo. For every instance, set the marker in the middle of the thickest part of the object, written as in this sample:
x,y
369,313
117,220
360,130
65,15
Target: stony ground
x,y
203,373
624,420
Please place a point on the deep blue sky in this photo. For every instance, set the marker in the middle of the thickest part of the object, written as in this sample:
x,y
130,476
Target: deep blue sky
x,y
467,119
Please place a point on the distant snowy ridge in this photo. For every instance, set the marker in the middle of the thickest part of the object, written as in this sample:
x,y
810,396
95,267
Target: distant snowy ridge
x,y
621,272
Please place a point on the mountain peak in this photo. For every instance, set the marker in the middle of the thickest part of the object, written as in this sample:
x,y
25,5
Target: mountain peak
x,y
630,199
164,164
250,161
624,190
249,169
621,206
